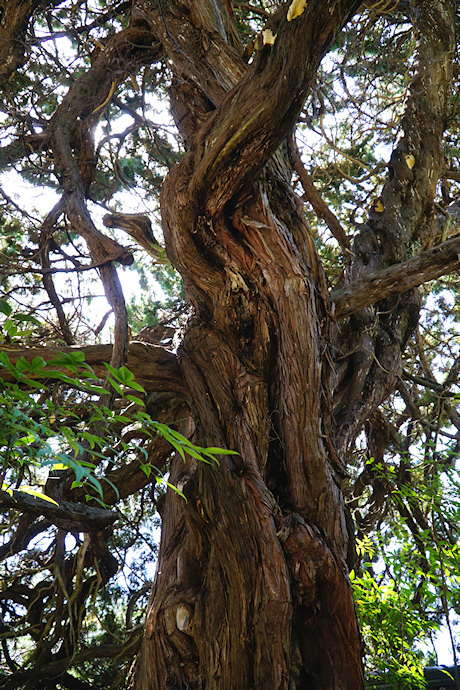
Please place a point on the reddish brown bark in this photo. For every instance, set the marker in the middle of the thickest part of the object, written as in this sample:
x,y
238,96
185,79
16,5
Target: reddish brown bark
x,y
369,346
398,278
252,587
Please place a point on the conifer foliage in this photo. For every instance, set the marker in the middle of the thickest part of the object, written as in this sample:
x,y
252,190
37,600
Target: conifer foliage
x,y
229,358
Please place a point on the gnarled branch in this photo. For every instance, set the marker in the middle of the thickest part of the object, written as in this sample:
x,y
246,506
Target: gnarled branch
x,y
398,278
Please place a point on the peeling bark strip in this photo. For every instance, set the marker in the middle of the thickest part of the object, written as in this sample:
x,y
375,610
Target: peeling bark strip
x,y
252,588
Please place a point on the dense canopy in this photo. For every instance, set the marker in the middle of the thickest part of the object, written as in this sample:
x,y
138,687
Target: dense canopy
x,y
229,319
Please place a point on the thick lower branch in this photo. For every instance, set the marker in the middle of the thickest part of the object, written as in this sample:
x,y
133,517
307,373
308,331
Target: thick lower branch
x,y
155,368
55,669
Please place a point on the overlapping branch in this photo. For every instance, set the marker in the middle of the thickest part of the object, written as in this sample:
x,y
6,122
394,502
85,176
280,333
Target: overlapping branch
x,y
155,368
72,516
398,278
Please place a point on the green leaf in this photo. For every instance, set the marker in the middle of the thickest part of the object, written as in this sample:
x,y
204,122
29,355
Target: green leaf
x,y
52,373
68,359
125,376
5,361
94,389
132,398
147,469
32,383
98,500
117,493
5,307
113,371
115,385
174,488
97,484
27,317
122,418
37,363
219,451
137,387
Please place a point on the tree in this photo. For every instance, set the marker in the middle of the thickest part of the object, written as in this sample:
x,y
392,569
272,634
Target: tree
x,y
286,360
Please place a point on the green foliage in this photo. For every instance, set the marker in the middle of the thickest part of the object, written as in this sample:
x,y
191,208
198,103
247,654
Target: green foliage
x,y
57,419
37,432
408,582
30,436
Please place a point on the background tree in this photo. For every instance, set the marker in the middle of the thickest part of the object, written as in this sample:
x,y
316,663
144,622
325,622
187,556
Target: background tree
x,y
302,348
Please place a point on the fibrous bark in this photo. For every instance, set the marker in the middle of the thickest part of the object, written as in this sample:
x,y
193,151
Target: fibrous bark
x,y
252,588
398,278
369,346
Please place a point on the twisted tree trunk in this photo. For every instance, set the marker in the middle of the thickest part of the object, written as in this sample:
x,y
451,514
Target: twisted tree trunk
x,y
252,588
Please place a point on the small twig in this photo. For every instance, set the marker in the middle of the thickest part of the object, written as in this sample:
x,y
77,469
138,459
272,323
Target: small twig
x,y
319,205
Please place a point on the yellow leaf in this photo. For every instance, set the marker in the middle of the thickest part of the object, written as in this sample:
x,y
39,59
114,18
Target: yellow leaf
x,y
59,466
377,206
37,494
7,489
106,100
268,37
296,8
410,160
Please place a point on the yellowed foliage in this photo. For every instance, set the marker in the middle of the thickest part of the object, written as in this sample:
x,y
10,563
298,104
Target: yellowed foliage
x,y
296,8
377,206
410,160
268,37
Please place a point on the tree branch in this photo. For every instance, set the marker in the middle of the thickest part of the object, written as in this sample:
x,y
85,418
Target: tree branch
x,y
254,118
57,668
139,227
155,368
16,17
320,207
75,516
398,278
